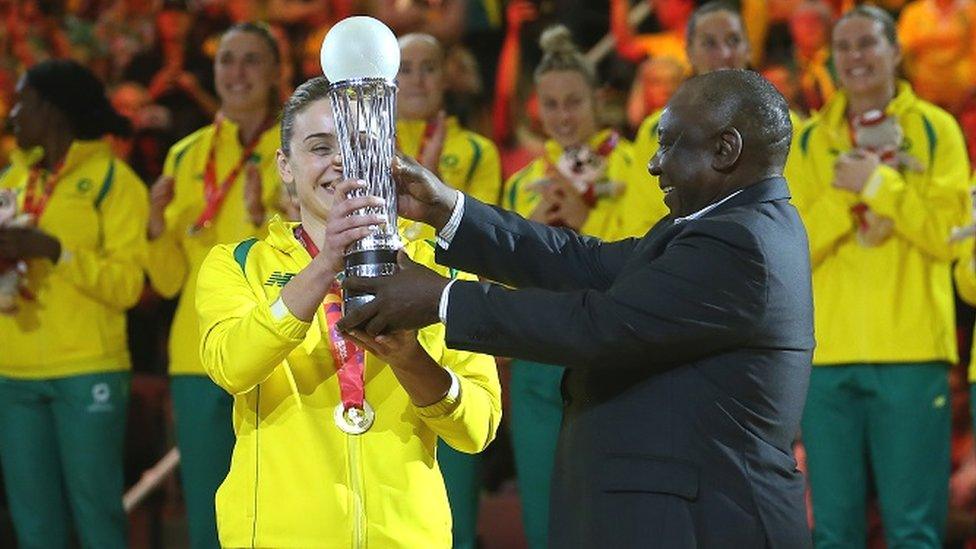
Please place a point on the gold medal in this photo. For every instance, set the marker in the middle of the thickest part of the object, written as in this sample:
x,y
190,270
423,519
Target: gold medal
x,y
354,421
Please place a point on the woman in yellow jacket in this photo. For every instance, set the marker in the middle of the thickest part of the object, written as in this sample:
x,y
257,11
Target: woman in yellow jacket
x,y
879,240
582,183
301,474
716,39
463,159
64,361
468,162
217,185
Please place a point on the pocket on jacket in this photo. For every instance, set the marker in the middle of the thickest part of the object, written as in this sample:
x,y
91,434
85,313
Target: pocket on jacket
x,y
636,473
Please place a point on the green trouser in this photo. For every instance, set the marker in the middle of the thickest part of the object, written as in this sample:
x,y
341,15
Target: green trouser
x,y
203,414
537,413
462,478
61,448
892,420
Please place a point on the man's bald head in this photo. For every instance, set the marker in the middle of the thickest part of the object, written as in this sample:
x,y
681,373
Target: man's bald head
x,y
721,132
744,100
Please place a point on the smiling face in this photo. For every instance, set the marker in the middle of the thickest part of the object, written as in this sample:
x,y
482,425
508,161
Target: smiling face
x,y
683,161
567,107
311,168
865,59
245,72
420,79
719,42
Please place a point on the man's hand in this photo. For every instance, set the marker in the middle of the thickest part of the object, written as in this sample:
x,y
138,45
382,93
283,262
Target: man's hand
x,y
421,196
29,243
160,196
407,300
853,169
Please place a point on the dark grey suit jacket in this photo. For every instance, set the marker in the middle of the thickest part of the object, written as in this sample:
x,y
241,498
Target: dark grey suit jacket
x,y
689,357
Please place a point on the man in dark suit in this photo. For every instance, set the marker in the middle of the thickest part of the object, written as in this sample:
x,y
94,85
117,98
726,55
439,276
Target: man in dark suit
x,y
688,350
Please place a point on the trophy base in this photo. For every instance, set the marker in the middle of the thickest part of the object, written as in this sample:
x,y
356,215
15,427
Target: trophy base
x,y
367,264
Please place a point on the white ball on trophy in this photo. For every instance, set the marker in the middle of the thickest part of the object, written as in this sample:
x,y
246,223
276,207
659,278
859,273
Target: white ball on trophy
x,y
360,47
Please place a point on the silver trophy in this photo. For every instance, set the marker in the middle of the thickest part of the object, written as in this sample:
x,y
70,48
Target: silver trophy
x,y
360,57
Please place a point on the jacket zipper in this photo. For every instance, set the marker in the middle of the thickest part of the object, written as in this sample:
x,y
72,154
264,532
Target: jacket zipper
x,y
356,487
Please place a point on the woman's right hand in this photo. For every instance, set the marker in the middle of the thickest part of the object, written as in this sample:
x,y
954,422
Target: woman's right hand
x,y
343,229
160,196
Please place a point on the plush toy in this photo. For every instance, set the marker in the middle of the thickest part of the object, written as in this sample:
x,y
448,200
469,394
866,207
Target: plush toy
x,y
876,132
12,279
881,134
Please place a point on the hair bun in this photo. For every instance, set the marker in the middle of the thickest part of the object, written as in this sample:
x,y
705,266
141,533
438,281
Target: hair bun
x,y
557,40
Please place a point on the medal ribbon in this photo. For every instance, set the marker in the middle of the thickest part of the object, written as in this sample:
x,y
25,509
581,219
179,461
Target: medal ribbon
x,y
213,193
429,128
34,203
349,359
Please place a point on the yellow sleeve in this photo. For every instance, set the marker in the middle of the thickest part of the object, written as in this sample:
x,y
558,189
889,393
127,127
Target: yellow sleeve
x,y
485,179
241,340
469,423
166,262
965,275
518,196
926,214
112,274
825,211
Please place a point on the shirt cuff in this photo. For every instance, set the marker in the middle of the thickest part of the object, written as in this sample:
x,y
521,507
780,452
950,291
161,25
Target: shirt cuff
x,y
455,391
442,306
446,235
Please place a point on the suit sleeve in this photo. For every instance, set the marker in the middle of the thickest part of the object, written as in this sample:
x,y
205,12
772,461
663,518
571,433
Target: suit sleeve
x,y
112,274
705,294
509,249
241,341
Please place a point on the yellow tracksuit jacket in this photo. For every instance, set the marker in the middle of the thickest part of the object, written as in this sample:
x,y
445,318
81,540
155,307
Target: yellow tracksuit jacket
x,y
892,302
646,145
612,218
295,480
98,211
469,162
175,257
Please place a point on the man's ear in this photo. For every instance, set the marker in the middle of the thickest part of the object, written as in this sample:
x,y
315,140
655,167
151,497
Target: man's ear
x,y
728,150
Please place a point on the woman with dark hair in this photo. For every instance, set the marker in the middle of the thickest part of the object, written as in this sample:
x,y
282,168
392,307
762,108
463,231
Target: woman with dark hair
x,y
217,186
883,179
64,367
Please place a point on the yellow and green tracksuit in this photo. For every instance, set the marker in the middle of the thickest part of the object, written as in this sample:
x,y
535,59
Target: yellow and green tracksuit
x,y
469,162
884,321
646,146
202,411
536,401
64,361
295,479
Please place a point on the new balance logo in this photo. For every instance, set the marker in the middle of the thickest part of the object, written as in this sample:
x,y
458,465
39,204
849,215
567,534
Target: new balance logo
x,y
279,279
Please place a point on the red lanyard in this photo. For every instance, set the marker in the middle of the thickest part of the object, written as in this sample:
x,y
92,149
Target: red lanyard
x,y
35,204
429,129
349,359
213,193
